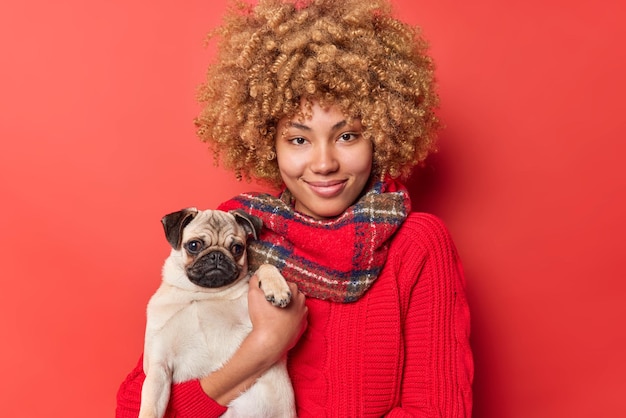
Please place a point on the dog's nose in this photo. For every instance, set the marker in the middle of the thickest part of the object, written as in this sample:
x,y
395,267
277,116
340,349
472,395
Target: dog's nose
x,y
216,257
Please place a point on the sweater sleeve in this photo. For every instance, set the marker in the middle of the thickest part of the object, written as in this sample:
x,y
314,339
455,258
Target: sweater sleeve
x,y
187,399
439,368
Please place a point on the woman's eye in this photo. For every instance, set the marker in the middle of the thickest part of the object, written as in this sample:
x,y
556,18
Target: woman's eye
x,y
348,136
194,246
298,141
236,249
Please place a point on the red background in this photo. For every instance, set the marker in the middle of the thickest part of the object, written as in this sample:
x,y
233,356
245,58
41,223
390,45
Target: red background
x,y
98,143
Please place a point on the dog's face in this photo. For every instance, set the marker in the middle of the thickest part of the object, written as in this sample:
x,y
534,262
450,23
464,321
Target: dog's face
x,y
209,247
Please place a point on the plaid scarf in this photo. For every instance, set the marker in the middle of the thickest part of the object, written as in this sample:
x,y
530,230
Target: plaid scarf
x,y
336,259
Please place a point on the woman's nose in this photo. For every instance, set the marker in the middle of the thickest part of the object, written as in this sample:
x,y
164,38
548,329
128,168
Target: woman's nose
x,y
323,160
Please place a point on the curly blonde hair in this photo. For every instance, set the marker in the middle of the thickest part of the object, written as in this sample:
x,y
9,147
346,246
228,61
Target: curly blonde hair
x,y
350,53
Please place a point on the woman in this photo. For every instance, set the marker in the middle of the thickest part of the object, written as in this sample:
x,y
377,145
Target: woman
x,y
332,102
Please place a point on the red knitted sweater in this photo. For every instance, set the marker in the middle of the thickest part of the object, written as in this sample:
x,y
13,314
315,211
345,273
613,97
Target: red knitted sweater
x,y
401,350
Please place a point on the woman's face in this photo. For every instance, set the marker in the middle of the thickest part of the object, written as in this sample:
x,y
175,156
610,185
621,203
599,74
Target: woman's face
x,y
324,161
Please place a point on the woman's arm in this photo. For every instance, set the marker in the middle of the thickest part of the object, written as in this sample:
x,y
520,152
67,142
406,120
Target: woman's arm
x,y
187,398
274,331
438,368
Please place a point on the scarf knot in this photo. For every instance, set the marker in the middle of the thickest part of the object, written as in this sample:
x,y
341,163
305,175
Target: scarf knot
x,y
334,259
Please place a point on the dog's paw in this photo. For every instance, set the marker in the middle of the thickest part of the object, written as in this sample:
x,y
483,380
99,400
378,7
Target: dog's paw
x,y
281,301
273,285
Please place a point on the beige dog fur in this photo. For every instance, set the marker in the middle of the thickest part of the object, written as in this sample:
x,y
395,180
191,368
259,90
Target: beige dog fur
x,y
199,315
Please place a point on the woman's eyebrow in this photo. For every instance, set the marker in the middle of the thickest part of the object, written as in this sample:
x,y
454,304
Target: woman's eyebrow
x,y
298,126
303,127
339,125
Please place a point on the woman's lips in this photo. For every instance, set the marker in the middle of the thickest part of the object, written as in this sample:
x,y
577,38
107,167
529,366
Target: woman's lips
x,y
326,189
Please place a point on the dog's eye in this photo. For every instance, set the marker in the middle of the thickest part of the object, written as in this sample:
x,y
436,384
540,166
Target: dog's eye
x,y
194,246
236,249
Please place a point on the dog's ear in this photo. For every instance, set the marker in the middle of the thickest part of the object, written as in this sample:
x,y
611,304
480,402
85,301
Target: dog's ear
x,y
174,223
250,223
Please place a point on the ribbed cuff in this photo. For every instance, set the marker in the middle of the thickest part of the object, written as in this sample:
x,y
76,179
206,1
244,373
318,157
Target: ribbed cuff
x,y
189,401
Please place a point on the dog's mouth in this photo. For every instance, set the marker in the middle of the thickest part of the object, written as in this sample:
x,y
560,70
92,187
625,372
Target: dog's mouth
x,y
213,270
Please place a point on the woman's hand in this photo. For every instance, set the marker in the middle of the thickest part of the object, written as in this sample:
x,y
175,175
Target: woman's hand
x,y
276,329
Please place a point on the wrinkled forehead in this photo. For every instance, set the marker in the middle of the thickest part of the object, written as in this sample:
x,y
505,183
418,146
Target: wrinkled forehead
x,y
213,227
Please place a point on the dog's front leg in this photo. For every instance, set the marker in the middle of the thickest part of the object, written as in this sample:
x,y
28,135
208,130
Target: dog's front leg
x,y
155,393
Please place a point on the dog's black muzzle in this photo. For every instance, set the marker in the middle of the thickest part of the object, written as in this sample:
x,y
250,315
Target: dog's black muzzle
x,y
213,269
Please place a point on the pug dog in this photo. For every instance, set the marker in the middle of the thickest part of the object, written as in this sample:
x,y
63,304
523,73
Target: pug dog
x,y
198,317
